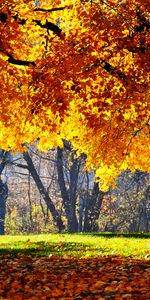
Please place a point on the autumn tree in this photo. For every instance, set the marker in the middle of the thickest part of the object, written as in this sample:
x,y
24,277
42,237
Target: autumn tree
x,y
77,70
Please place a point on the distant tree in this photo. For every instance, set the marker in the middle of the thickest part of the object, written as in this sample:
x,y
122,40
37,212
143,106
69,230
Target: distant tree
x,y
127,207
81,205
93,204
56,216
36,201
82,199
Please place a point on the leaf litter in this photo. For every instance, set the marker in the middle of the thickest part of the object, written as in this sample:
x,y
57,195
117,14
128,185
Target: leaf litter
x,y
49,278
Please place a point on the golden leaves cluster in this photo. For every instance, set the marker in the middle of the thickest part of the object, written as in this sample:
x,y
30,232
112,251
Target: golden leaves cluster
x,y
90,84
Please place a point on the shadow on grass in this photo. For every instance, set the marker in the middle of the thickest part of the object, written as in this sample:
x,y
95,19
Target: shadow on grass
x,y
114,234
74,249
46,248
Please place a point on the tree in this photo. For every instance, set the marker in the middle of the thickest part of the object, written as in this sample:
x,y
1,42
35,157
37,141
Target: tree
x,y
127,207
3,191
92,209
27,208
55,179
81,196
80,72
3,197
43,192
31,170
69,194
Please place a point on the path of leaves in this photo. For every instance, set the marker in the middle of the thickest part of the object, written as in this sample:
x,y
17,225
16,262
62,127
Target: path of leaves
x,y
50,278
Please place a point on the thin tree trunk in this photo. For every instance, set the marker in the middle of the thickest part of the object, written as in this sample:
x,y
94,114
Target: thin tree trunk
x,y
92,209
68,196
3,197
146,213
3,193
30,203
56,217
81,208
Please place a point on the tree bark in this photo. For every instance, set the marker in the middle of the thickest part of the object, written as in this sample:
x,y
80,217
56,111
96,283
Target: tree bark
x,y
3,193
92,209
3,197
81,208
146,210
68,195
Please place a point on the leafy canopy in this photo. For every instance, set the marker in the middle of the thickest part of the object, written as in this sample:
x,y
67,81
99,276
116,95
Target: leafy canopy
x,y
77,70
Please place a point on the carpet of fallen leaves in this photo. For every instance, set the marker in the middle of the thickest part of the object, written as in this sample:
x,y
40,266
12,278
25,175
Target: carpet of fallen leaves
x,y
50,278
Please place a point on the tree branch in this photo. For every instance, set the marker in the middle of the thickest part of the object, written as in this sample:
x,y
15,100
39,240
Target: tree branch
x,y
20,166
50,10
3,17
20,62
107,67
49,26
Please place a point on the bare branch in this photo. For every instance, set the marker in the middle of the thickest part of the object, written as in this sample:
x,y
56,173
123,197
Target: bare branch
x,y
51,9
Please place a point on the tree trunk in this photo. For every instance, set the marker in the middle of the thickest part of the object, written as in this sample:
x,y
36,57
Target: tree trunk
x,y
146,210
81,208
92,209
3,192
68,195
3,198
56,217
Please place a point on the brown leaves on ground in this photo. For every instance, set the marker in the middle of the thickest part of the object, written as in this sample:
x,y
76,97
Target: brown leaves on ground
x,y
50,278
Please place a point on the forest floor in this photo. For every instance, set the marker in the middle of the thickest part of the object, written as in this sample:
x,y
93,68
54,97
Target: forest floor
x,y
61,266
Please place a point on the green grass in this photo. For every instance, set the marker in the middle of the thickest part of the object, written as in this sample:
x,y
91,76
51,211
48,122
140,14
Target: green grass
x,y
78,245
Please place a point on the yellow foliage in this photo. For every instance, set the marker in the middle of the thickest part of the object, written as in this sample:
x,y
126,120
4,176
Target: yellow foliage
x,y
76,71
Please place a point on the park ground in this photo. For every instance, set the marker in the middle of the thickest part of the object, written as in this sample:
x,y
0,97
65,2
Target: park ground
x,y
77,266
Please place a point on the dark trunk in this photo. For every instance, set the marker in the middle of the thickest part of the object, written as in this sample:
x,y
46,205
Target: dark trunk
x,y
3,198
56,217
92,209
81,208
146,210
68,195
74,172
3,193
